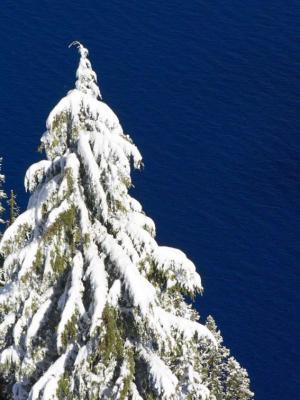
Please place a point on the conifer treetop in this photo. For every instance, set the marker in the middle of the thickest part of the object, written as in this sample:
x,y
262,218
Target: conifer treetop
x,y
86,77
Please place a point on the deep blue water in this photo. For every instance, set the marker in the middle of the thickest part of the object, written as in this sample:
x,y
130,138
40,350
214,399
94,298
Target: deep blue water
x,y
209,92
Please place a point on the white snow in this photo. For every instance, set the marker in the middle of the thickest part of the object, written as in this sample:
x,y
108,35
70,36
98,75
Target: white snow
x,y
114,293
45,194
8,292
164,381
86,77
10,266
143,221
141,239
178,268
36,173
98,279
26,258
9,320
140,289
135,205
18,329
81,356
93,171
39,318
50,376
50,388
10,356
10,234
74,102
54,215
48,270
73,164
134,392
187,327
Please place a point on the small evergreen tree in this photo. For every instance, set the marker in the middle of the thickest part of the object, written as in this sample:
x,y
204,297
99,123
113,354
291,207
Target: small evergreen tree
x,y
2,195
93,308
224,375
2,211
2,221
14,210
237,382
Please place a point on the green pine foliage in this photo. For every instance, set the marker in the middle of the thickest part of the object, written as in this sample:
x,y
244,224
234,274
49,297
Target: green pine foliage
x,y
14,210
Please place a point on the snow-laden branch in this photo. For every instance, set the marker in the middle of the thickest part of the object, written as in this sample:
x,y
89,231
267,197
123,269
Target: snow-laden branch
x,y
48,381
98,280
139,289
177,268
160,375
93,174
39,317
36,173
183,325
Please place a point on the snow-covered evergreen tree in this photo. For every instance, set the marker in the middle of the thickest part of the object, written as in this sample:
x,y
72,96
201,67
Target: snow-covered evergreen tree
x,y
2,221
227,380
2,194
92,307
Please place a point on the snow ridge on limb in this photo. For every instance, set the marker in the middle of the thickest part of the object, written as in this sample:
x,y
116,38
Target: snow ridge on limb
x,y
93,174
50,377
36,173
98,280
18,233
178,269
163,380
186,327
39,317
9,356
140,290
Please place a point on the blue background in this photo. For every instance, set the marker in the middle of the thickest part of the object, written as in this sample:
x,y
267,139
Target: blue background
x,y
208,90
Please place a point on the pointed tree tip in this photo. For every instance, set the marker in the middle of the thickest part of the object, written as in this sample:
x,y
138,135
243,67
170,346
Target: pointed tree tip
x,y
81,49
75,43
86,77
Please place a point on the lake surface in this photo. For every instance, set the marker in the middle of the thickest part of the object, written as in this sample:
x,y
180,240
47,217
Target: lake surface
x,y
209,91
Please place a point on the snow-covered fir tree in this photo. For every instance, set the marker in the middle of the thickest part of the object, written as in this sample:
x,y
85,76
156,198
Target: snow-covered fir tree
x,y
2,220
2,195
92,307
227,379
